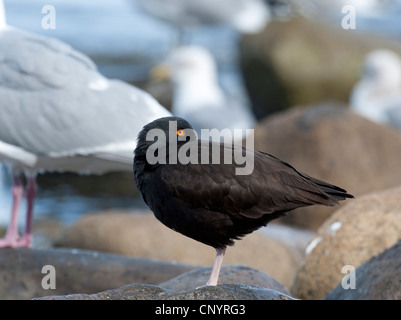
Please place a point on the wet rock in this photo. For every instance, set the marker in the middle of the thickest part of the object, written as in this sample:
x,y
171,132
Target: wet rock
x,y
330,142
303,61
76,271
379,278
352,235
228,274
142,235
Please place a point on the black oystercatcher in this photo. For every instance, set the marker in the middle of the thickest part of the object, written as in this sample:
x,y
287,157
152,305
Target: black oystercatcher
x,y
209,202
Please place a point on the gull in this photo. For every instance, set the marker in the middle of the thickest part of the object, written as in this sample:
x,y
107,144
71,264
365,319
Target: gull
x,y
245,16
377,95
197,95
58,113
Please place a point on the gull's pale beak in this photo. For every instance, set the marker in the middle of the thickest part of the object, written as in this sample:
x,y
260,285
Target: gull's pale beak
x,y
160,72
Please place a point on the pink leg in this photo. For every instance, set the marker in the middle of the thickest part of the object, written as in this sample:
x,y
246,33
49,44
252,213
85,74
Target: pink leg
x,y
214,277
26,240
11,237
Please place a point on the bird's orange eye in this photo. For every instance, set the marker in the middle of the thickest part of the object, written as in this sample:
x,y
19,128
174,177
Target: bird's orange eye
x,y
180,132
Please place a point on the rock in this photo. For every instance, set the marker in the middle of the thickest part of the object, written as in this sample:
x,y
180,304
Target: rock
x,y
228,274
136,291
76,271
378,278
230,292
239,283
303,61
151,292
142,235
352,235
330,142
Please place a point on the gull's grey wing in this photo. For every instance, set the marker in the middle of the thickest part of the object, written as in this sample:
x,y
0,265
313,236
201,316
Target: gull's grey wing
x,y
55,103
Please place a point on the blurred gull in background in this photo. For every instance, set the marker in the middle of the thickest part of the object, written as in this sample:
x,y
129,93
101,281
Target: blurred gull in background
x,y
245,16
59,114
377,96
197,95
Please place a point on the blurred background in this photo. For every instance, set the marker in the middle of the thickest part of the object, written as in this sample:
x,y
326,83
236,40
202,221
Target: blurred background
x,y
302,56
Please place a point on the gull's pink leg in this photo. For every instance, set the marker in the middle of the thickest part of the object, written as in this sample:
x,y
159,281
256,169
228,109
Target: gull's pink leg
x,y
11,237
26,240
214,277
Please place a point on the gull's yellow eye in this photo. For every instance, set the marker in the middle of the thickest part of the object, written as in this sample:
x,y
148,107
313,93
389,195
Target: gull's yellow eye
x,y
181,132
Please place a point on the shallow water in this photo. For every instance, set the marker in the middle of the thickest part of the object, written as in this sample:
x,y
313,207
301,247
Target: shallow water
x,y
66,197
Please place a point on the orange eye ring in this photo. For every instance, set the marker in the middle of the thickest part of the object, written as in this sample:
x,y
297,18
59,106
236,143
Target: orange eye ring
x,y
181,132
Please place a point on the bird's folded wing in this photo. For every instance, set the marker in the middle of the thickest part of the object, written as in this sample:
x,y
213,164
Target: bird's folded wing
x,y
272,186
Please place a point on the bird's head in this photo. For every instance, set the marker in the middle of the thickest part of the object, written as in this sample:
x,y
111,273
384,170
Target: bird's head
x,y
164,134
383,68
187,63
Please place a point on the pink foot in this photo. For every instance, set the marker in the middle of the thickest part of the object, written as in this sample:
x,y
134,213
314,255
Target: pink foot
x,y
25,241
9,241
12,241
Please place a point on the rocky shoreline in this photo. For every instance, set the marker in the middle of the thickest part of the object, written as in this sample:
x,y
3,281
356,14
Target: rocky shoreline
x,y
355,254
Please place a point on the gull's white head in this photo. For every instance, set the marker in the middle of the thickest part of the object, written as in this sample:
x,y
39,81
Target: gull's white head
x,y
253,17
380,86
382,68
191,62
194,73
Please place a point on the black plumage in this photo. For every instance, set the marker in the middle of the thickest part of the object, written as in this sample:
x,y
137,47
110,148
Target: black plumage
x,y
209,202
